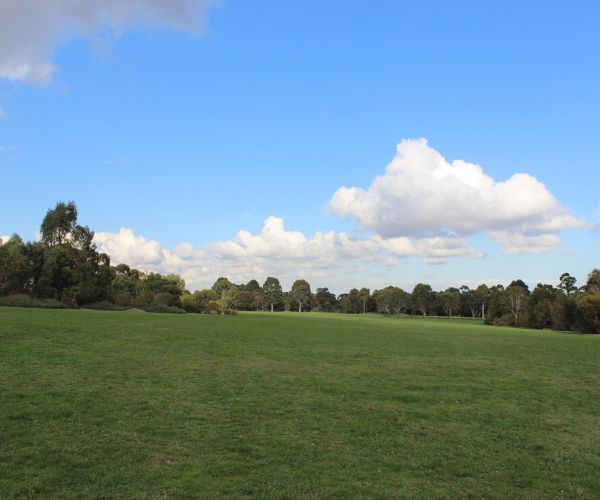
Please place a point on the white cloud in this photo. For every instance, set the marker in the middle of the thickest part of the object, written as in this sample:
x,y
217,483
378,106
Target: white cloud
x,y
421,194
274,251
126,247
31,29
519,243
4,239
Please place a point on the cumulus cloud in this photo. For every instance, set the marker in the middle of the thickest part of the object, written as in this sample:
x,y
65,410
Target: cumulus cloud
x,y
421,194
31,29
274,251
126,247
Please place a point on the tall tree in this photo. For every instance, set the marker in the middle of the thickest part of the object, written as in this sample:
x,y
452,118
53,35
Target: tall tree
x,y
364,295
593,282
301,293
272,291
222,287
516,294
59,223
423,298
325,300
482,294
567,283
449,300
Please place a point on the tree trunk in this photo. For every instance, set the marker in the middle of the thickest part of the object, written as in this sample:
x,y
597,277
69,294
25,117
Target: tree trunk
x,y
271,306
299,307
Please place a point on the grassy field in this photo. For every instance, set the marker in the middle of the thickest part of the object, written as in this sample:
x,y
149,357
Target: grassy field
x,y
126,405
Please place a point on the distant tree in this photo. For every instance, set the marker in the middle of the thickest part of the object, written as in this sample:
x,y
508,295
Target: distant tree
x,y
593,282
354,300
516,296
245,299
423,298
15,267
272,292
567,283
221,287
252,286
230,301
343,302
364,295
204,297
482,296
122,269
540,305
58,224
588,313
257,299
391,300
59,271
449,300
325,300
300,293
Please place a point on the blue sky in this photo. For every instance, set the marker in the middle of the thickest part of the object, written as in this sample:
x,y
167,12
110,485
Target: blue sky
x,y
183,134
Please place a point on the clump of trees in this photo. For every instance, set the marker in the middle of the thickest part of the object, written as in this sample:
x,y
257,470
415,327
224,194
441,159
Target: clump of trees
x,y
64,269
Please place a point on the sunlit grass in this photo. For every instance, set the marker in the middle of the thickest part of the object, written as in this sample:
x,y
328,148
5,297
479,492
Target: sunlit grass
x,y
125,405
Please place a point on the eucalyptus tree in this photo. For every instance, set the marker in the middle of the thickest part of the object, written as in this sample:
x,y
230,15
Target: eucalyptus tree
x,y
272,292
300,293
567,283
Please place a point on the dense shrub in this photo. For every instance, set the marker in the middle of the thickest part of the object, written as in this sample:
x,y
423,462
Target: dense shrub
x,y
506,319
190,304
103,305
163,308
166,299
24,300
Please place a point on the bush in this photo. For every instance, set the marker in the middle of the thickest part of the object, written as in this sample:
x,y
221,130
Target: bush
x,y
163,308
166,299
24,300
504,320
103,305
190,304
122,299
213,307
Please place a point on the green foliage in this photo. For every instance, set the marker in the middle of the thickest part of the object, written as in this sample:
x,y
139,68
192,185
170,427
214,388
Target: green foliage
x,y
300,294
64,269
272,292
588,313
24,300
163,308
325,300
423,298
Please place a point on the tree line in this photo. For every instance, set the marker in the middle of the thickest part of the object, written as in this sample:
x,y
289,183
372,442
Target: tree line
x,y
64,269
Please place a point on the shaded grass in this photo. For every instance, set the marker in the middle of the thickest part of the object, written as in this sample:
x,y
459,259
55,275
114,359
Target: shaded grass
x,y
123,405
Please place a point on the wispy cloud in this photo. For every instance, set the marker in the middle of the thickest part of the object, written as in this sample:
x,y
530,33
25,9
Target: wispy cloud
x,y
30,30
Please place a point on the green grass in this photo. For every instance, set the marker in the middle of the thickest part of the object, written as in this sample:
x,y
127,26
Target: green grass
x,y
100,404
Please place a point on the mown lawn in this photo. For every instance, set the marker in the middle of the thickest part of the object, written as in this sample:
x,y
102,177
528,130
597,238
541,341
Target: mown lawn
x,y
126,405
